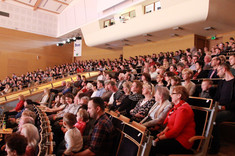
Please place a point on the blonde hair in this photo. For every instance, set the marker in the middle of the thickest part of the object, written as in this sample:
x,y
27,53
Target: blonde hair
x,y
83,114
150,87
31,133
128,85
187,71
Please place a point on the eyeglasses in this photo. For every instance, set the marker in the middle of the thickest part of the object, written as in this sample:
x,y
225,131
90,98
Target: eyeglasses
x,y
174,93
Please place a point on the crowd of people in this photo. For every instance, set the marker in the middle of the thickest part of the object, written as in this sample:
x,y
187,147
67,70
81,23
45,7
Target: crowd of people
x,y
152,90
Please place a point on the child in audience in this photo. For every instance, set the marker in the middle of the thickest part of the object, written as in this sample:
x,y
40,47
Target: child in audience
x,y
82,118
73,138
206,85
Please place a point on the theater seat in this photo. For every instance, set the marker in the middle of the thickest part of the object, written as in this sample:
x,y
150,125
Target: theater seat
x,y
204,116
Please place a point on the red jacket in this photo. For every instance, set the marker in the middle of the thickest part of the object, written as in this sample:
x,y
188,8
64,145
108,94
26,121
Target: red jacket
x,y
19,105
181,124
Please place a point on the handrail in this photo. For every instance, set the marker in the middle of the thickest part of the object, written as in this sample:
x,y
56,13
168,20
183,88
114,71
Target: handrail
x,y
39,88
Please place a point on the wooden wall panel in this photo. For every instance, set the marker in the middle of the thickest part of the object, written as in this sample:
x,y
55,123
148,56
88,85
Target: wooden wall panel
x,y
98,53
172,44
19,51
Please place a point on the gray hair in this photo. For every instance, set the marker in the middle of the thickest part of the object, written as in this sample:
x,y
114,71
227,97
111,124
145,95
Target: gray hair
x,y
86,98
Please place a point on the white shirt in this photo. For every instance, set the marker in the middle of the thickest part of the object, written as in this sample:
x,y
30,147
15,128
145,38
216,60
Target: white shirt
x,y
74,141
111,99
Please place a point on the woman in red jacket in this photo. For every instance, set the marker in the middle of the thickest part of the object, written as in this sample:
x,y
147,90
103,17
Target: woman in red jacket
x,y
180,126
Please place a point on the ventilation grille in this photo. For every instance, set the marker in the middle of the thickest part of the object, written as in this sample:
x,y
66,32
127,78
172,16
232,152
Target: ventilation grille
x,y
4,14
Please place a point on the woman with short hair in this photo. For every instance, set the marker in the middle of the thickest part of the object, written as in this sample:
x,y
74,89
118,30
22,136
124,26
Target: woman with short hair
x,y
158,112
174,139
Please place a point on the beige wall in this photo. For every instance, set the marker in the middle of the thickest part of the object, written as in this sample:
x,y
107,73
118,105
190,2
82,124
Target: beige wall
x,y
172,44
19,51
226,36
98,53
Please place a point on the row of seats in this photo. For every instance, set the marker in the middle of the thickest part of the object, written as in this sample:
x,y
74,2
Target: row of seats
x,y
131,136
136,139
46,144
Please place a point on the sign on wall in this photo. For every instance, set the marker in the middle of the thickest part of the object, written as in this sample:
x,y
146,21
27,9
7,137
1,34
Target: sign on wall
x,y
77,48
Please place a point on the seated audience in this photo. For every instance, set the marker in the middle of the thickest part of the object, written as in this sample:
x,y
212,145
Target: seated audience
x,y
16,145
153,72
23,120
175,81
207,90
188,84
180,126
32,135
167,77
180,68
215,62
19,107
70,108
86,90
207,61
100,88
100,140
225,95
73,138
173,69
124,99
107,94
136,95
6,90
116,94
68,88
143,106
82,118
159,110
101,76
77,85
200,73
94,89
59,104
232,63
121,80
45,97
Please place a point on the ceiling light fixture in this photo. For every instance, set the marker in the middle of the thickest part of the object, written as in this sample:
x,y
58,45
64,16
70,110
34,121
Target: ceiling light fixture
x,y
174,35
209,28
177,28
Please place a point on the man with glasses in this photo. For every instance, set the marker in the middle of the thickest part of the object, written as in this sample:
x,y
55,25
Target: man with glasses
x,y
225,95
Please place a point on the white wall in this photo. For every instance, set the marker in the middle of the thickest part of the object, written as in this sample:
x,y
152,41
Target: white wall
x,y
25,19
178,14
83,12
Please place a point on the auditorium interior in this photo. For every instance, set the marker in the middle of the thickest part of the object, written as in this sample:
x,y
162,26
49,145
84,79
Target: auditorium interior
x,y
113,37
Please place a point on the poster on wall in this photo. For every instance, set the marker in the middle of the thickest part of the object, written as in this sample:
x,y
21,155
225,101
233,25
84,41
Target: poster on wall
x,y
77,48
